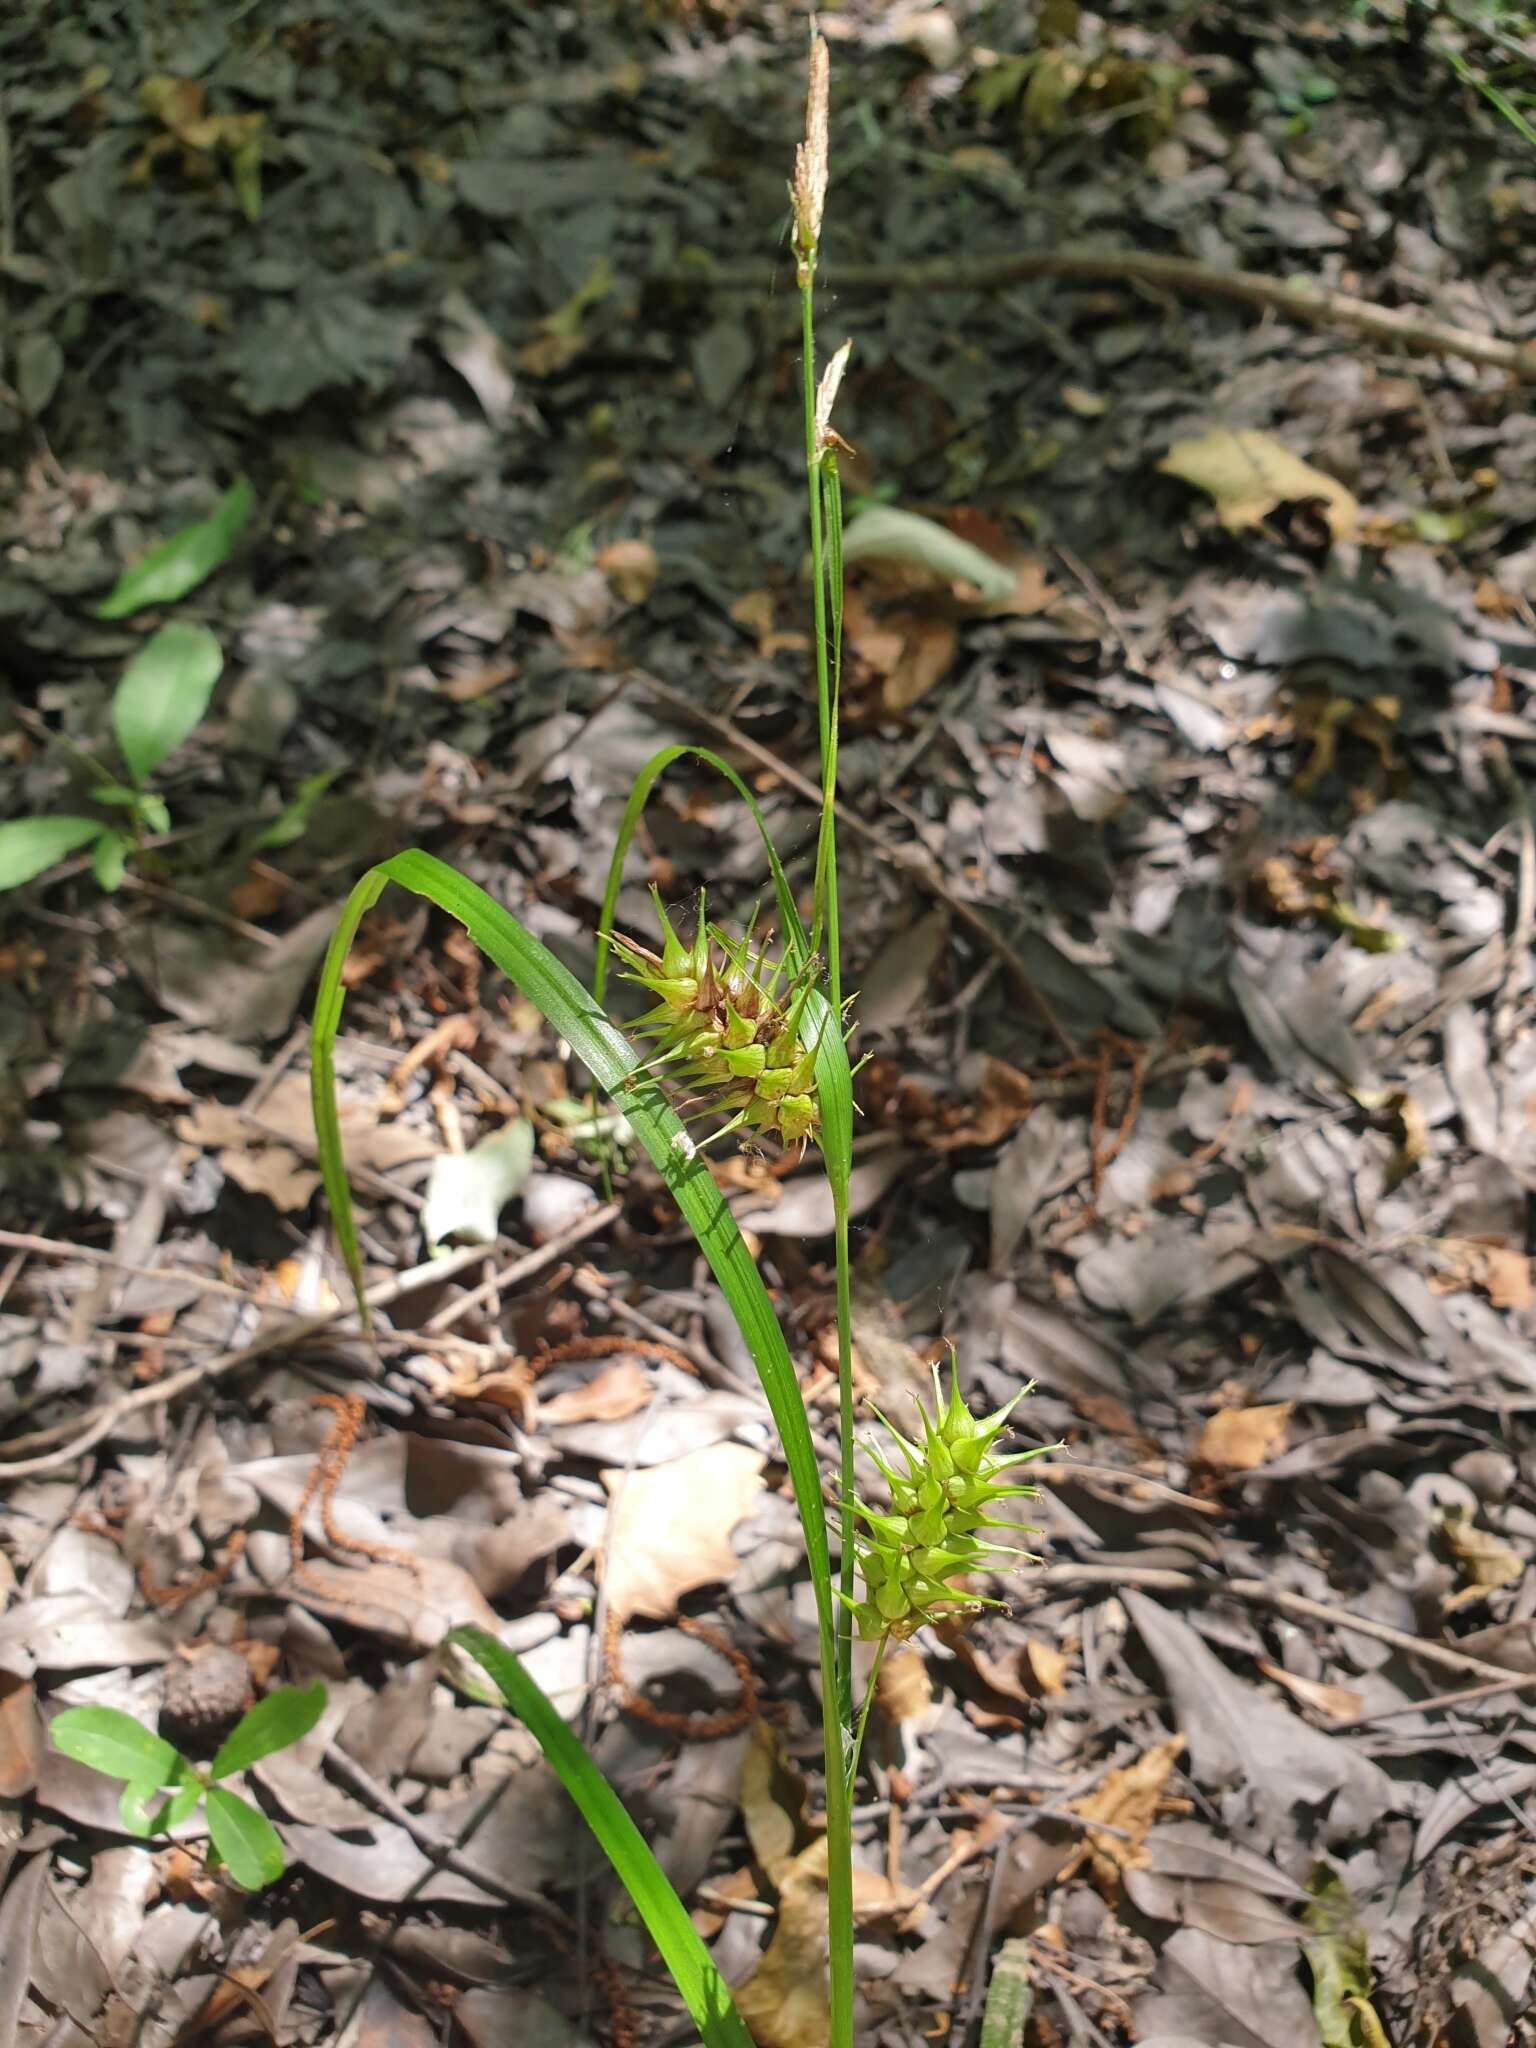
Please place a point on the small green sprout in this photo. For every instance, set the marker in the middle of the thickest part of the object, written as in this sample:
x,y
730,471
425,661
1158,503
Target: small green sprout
x,y
911,1555
241,1836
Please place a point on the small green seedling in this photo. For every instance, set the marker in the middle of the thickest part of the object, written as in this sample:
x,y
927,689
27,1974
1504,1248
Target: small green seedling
x,y
241,1836
160,698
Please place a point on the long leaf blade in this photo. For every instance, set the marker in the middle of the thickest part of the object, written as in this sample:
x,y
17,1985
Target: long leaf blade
x,y
617,1069
704,1990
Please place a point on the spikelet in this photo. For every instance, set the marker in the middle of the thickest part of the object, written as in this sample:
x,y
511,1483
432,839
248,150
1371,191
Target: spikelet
x,y
910,1556
728,1026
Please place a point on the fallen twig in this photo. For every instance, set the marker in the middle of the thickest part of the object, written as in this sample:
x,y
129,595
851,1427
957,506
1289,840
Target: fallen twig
x,y
432,1845
1259,1593
1313,305
112,1413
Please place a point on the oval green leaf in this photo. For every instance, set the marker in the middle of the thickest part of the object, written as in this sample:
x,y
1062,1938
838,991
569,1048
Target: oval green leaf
x,y
246,1840
116,1744
277,1722
179,564
28,846
164,692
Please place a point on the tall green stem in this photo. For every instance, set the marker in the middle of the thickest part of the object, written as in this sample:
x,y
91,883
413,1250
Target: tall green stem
x,y
837,1709
826,925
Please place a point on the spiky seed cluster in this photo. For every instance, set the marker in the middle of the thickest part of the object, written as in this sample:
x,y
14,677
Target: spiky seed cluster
x,y
728,1023
911,1555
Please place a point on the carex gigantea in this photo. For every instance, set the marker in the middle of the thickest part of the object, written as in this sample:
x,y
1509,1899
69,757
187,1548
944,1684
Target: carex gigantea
x,y
911,1555
729,1023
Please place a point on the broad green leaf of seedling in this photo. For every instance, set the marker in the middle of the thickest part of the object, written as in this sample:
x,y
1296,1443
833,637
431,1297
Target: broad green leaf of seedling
x,y
183,561
163,694
106,1739
247,1843
30,846
277,1722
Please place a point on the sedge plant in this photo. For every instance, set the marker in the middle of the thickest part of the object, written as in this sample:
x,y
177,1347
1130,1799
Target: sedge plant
x,y
740,1036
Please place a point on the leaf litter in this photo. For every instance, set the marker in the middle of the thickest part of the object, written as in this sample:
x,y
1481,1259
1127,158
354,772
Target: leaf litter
x,y
1193,903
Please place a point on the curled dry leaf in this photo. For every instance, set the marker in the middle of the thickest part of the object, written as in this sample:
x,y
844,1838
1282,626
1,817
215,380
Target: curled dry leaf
x,y
1239,1439
671,1527
631,568
1338,1702
1128,1799
904,1691
1249,473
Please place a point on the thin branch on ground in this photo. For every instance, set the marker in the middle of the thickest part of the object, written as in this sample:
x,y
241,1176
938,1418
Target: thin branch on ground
x,y
113,1413
1310,304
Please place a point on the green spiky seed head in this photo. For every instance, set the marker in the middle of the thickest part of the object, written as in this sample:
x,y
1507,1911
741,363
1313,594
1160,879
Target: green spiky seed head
x,y
911,1558
728,1026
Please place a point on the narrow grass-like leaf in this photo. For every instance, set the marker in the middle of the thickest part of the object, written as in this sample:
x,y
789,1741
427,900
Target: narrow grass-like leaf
x,y
619,1072
181,562
795,941
281,1719
704,1990
251,1848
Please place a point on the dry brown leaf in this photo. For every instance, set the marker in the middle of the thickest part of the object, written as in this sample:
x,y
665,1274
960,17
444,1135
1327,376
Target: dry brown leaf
x,y
1127,1799
773,1800
1338,1702
1486,1560
21,1736
1238,1439
269,1151
1502,1273
416,1607
1249,473
1048,1666
928,646
619,1390
904,1690
671,1527
631,568
784,2001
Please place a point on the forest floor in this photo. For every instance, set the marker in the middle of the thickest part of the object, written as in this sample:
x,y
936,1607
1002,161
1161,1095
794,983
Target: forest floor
x,y
1189,893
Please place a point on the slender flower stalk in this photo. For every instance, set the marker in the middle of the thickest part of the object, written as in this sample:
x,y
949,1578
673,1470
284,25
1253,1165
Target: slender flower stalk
x,y
808,196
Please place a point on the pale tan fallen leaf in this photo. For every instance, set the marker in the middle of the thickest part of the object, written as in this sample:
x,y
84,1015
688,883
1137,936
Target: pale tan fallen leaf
x,y
1500,1271
619,1390
1238,1439
671,1527
1249,473
1127,1799
21,1736
1486,1560
1338,1702
1048,1666
784,2001
773,1800
928,647
631,567
416,1607
904,1690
